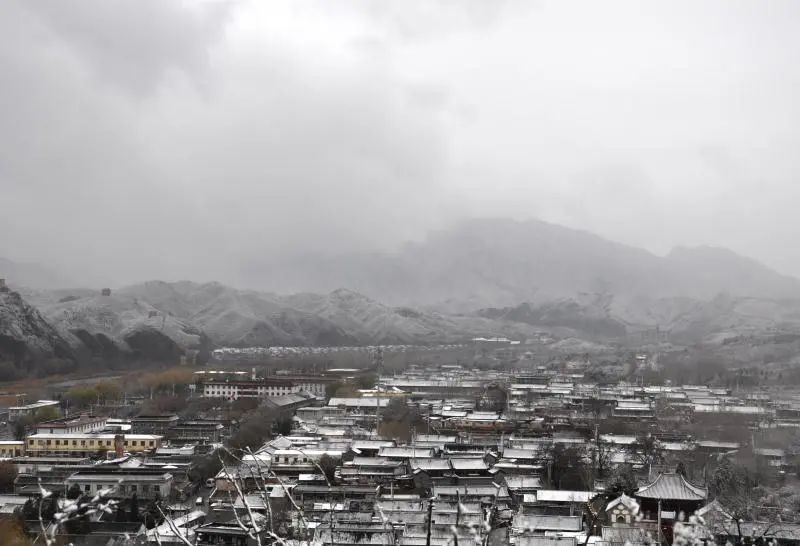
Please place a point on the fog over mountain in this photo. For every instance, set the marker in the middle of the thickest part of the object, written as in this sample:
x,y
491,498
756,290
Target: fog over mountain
x,y
485,263
317,173
219,140
478,278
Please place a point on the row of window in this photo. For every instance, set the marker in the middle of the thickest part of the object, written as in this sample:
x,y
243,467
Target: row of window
x,y
94,443
286,459
144,489
260,389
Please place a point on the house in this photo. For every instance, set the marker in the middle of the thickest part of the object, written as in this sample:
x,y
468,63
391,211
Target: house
x,y
153,424
289,402
223,534
403,453
197,431
357,497
622,510
369,448
549,501
122,482
491,494
365,405
29,410
372,470
537,524
69,425
11,448
520,485
180,530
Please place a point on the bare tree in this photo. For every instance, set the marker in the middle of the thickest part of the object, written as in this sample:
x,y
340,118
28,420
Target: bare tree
x,y
645,451
742,503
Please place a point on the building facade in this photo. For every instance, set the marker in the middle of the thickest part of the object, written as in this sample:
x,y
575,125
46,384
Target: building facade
x,y
88,444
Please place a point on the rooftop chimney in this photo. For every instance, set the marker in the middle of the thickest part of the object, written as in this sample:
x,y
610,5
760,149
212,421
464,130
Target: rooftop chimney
x,y
119,445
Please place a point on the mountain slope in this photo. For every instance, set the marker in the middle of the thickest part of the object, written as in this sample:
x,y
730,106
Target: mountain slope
x,y
118,323
497,263
374,323
238,317
342,317
25,335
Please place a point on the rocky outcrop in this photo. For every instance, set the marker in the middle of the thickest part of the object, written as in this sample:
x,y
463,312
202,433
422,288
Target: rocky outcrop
x,y
25,335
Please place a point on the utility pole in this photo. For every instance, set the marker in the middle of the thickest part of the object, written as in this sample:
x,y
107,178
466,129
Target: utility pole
x,y
660,536
430,520
458,515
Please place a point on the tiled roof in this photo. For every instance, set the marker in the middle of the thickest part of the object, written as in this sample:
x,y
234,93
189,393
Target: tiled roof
x,y
540,523
671,486
624,500
557,495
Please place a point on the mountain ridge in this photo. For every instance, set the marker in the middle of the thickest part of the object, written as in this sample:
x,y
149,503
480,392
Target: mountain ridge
x,y
499,262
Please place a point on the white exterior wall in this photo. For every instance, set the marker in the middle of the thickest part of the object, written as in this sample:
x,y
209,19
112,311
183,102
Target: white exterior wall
x,y
232,391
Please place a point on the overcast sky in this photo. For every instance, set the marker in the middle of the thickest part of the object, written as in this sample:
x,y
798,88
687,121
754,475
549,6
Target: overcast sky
x,y
155,139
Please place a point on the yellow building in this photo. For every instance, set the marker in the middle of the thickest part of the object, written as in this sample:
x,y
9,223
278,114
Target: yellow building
x,y
11,448
89,444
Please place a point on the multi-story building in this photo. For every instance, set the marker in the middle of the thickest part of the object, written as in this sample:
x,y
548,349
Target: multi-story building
x,y
81,444
234,390
117,482
71,425
153,424
198,431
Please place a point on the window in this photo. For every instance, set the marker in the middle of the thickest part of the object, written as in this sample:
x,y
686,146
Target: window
x,y
74,442
87,487
58,442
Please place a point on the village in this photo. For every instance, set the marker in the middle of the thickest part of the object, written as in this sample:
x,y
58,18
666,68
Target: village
x,y
433,454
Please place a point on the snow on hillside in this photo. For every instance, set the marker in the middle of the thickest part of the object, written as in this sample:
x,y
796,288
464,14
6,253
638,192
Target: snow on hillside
x,y
117,317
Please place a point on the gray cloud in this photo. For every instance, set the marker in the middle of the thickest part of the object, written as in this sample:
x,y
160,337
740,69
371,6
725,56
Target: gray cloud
x,y
208,139
136,44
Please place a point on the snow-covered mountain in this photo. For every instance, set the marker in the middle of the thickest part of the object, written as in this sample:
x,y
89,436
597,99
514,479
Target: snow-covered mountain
x,y
25,335
194,316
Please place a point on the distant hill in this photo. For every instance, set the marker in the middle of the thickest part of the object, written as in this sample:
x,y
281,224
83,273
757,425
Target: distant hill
x,y
481,278
491,263
194,316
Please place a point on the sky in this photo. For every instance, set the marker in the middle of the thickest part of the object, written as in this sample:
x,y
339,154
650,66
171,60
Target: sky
x,y
149,139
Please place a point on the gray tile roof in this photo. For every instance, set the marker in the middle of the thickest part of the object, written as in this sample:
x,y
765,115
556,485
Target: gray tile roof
x,y
671,486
